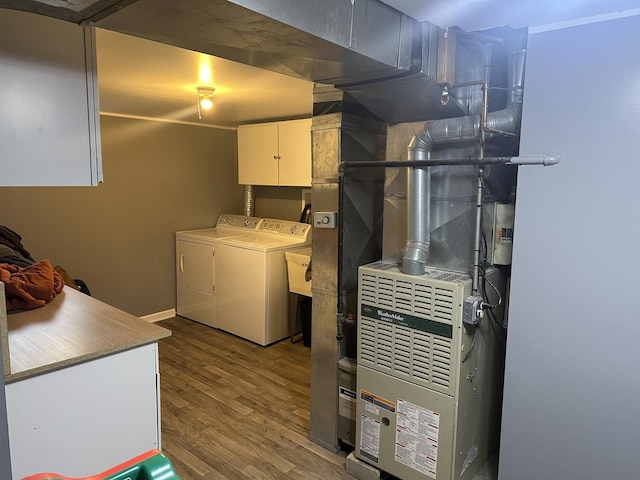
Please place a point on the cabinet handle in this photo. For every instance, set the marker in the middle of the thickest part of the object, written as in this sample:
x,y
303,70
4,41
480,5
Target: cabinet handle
x,y
276,157
181,263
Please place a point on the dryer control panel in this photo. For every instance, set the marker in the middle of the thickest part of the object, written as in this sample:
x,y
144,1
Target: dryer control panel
x,y
238,221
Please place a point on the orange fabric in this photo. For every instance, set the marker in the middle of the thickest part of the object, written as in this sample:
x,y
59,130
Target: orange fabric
x,y
30,287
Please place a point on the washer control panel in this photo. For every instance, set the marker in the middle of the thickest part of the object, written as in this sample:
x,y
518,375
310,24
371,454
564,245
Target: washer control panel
x,y
284,227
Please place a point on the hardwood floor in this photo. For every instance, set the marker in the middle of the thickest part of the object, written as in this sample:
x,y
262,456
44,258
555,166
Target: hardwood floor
x,y
232,410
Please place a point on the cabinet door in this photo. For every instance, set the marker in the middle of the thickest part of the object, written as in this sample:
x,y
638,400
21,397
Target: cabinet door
x,y
85,418
295,152
258,154
49,120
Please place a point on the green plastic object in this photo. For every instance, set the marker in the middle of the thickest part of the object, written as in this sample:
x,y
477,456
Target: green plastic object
x,y
157,467
151,465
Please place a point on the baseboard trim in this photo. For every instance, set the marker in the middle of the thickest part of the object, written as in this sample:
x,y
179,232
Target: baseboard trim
x,y
156,317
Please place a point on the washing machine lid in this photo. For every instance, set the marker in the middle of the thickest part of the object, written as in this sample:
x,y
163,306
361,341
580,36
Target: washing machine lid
x,y
263,243
273,234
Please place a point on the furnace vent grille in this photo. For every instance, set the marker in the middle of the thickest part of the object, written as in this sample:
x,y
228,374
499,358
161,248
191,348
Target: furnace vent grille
x,y
408,297
403,352
406,324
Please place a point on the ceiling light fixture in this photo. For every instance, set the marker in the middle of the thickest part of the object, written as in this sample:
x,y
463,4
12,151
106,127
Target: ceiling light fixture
x,y
204,99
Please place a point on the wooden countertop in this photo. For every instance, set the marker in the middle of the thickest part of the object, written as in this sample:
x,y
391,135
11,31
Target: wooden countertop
x,y
73,328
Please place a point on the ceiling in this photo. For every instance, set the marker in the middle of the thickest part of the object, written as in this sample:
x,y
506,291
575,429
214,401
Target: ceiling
x,y
142,78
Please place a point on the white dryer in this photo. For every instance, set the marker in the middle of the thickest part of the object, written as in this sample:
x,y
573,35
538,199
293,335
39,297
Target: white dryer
x,y
252,280
196,269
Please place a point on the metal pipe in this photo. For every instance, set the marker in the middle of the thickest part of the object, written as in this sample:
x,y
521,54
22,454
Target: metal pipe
x,y
543,159
476,241
457,131
418,236
432,162
478,229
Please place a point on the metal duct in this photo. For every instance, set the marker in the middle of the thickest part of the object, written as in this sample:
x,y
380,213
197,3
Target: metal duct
x,y
331,42
249,201
415,96
383,57
453,131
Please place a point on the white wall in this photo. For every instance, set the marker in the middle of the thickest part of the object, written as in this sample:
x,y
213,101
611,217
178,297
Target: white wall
x,y
572,391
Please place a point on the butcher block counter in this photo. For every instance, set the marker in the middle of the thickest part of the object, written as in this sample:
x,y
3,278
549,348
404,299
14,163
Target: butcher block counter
x,y
82,386
73,328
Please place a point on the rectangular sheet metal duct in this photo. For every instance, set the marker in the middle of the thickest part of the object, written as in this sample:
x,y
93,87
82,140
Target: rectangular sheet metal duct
x,y
334,41
384,58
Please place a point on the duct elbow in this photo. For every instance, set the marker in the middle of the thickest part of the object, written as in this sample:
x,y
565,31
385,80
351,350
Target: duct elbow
x,y
445,131
420,145
506,120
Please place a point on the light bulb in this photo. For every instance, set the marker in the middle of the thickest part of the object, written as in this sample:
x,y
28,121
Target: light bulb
x,y
204,99
206,103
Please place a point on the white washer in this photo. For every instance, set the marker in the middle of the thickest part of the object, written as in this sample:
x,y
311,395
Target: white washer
x,y
195,266
252,280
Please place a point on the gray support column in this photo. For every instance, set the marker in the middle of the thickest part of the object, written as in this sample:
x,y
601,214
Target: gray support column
x,y
325,348
336,136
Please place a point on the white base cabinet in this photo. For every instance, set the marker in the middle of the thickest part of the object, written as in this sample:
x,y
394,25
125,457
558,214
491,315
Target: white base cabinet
x,y
84,419
277,153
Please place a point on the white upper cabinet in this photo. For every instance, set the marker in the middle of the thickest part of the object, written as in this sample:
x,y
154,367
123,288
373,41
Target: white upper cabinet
x,y
49,116
277,153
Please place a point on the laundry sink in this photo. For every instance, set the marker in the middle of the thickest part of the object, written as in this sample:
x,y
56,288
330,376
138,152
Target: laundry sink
x,y
298,262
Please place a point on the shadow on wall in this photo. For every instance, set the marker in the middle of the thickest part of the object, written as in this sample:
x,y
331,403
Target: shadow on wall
x,y
279,202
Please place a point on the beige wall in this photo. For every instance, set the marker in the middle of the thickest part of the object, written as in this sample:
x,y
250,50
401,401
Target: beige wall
x,y
278,202
119,236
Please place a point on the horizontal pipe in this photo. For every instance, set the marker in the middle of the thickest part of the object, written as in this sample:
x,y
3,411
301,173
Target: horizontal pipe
x,y
426,163
536,160
523,160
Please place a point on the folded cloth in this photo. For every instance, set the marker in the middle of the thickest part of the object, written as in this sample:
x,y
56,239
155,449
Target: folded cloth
x,y
12,239
30,287
9,255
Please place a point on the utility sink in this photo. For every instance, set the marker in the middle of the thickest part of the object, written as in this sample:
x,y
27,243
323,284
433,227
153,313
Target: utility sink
x,y
298,263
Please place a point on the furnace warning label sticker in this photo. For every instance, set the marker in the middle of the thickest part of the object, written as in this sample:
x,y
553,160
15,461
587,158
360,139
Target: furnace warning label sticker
x,y
375,400
417,432
369,438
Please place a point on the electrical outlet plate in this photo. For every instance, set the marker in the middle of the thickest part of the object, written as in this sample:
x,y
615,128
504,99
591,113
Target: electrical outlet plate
x,y
325,219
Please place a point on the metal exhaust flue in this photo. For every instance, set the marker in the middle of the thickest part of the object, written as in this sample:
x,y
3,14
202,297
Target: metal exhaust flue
x,y
454,131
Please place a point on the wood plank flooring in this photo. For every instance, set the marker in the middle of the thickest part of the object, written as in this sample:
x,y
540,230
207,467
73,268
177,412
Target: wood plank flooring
x,y
232,410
